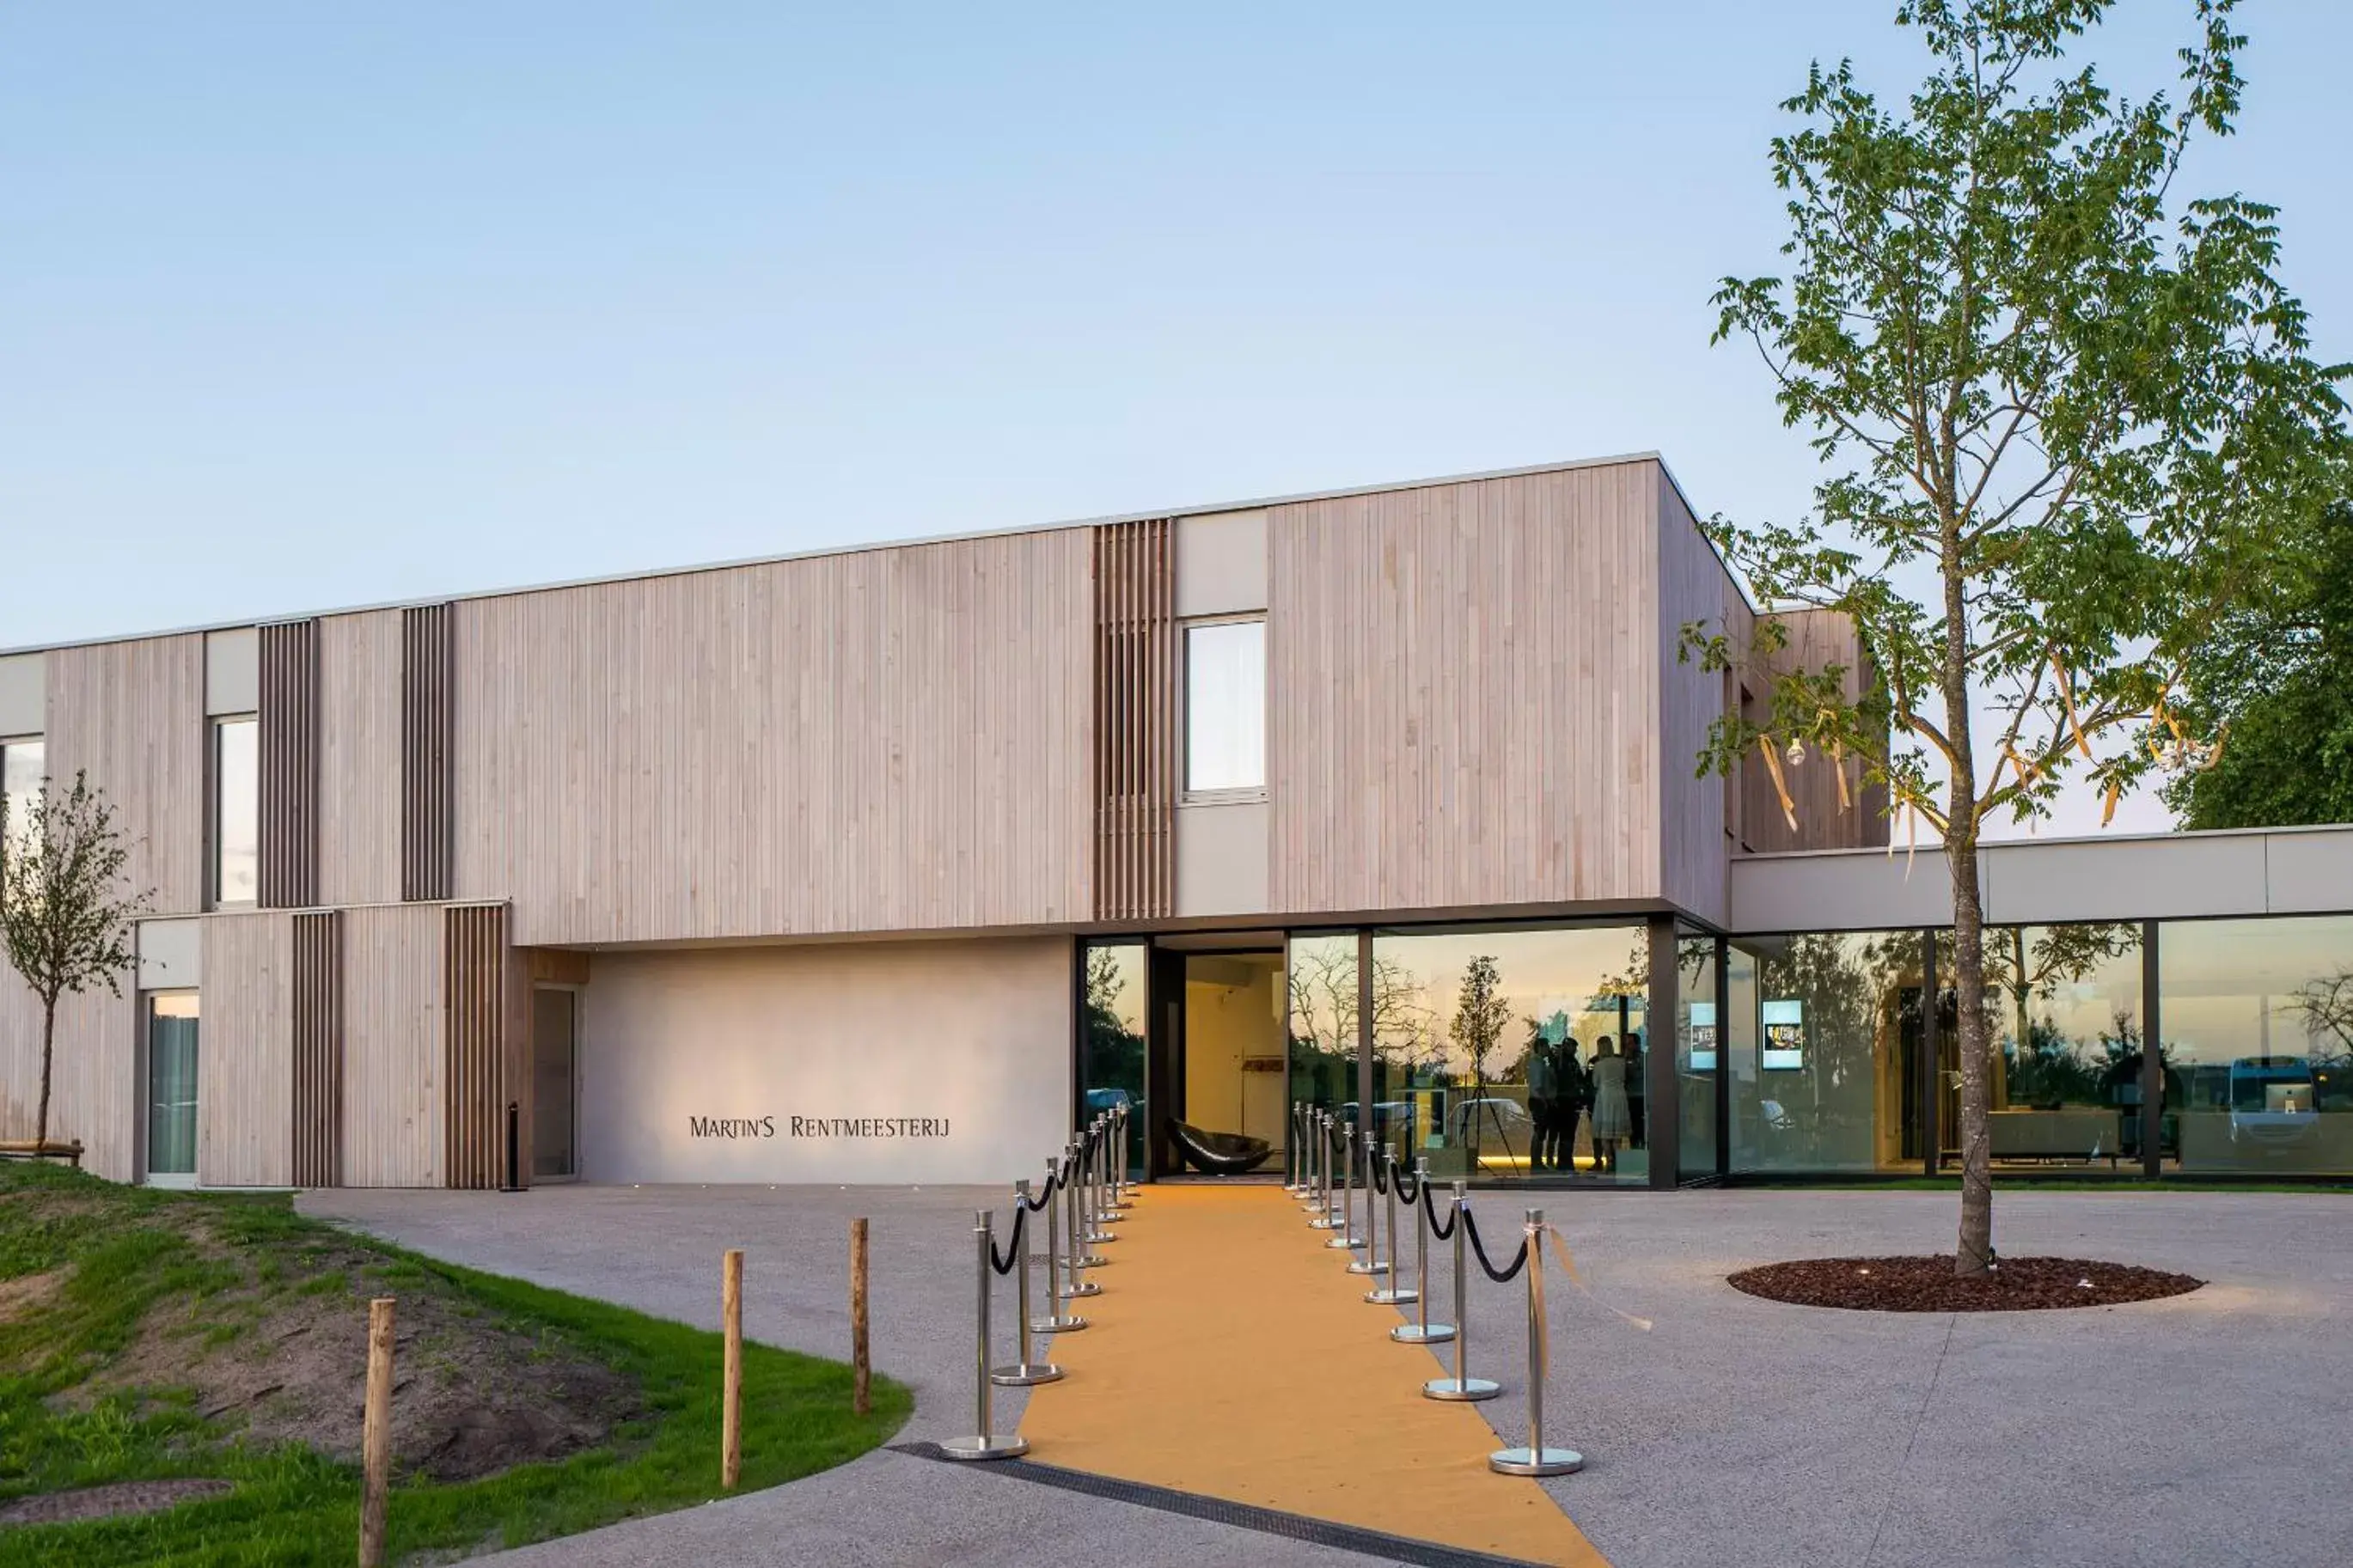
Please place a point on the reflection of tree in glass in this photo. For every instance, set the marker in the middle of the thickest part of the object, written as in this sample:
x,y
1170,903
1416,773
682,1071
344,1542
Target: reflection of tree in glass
x,y
1323,986
1114,1052
1481,1014
2326,1007
1846,985
2041,1064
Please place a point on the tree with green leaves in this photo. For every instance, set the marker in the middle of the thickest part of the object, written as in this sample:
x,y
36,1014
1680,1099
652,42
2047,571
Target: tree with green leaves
x,y
2276,682
2057,406
65,918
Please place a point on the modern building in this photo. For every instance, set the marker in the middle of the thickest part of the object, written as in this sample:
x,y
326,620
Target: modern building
x,y
883,864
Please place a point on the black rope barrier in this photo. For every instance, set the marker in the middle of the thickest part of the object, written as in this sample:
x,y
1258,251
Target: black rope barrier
x,y
1003,1262
1407,1186
1035,1202
1500,1276
1442,1232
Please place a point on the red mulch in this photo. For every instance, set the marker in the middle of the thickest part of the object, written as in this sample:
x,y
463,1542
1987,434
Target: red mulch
x,y
1927,1284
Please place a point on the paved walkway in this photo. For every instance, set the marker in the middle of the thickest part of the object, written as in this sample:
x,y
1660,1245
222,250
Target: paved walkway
x,y
2209,1428
1233,1356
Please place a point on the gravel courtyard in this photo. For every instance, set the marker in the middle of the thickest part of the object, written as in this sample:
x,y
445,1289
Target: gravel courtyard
x,y
2207,1428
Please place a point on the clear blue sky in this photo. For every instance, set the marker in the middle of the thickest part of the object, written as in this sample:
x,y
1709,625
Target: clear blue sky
x,y
306,305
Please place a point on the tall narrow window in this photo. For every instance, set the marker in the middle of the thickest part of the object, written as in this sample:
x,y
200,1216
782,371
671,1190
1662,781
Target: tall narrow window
x,y
1225,706
23,763
236,810
172,1023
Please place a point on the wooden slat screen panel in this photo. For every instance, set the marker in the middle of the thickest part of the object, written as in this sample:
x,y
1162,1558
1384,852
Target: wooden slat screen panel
x,y
427,753
244,1104
1135,720
1462,694
318,1007
360,772
474,1023
289,764
889,740
395,1049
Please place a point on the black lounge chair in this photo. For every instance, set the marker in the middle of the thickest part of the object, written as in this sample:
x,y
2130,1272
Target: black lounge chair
x,y
1219,1153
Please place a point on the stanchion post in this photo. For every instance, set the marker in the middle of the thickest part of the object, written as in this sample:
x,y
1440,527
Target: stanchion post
x,y
1346,1239
1370,1263
861,1369
1421,1330
375,1433
1319,1187
1536,1459
985,1444
1061,1319
1461,1388
1024,1370
1079,1257
1392,1294
1106,1214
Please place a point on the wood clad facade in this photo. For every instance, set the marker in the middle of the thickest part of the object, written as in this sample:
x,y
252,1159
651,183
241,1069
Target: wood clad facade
x,y
1696,812
1135,720
362,778
393,1047
1817,639
428,679
289,719
1463,694
884,741
245,1071
131,714
316,1000
474,1027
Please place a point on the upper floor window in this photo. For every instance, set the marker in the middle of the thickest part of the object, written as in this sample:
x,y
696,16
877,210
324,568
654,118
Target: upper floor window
x,y
1225,706
23,765
236,810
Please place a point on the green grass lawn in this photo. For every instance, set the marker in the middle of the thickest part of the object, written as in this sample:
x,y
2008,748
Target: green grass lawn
x,y
112,1256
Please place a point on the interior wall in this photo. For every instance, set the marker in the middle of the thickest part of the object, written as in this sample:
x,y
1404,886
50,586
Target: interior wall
x,y
931,1061
1231,1019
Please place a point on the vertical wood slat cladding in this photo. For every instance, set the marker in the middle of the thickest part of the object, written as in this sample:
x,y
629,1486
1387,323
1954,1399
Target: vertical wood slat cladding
x,y
289,764
1135,704
1816,639
883,740
395,1052
318,1038
428,751
245,1068
474,967
1463,694
131,714
1694,586
361,773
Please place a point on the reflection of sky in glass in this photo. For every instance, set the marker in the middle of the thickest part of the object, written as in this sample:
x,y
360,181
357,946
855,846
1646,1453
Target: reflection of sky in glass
x,y
2229,988
237,828
2078,1000
1560,978
1225,706
21,766
1115,983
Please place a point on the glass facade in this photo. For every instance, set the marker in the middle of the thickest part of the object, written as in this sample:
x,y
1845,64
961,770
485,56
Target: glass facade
x,y
1111,1034
1515,1053
2064,1011
172,1023
236,811
2257,1017
555,1042
1697,1055
1824,1050
1225,706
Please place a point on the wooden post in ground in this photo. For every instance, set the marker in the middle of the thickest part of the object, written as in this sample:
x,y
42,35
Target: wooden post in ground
x,y
731,1413
860,1370
375,1433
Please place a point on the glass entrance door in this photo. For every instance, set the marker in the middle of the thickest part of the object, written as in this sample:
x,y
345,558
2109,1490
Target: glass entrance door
x,y
555,1083
172,1020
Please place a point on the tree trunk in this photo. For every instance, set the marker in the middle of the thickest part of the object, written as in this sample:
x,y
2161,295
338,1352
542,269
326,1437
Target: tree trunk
x,y
48,1046
1974,1253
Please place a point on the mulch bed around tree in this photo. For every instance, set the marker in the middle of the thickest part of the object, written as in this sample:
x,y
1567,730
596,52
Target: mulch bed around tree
x,y
1927,1284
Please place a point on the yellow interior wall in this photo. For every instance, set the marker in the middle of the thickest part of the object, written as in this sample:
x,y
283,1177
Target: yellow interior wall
x,y
1229,1016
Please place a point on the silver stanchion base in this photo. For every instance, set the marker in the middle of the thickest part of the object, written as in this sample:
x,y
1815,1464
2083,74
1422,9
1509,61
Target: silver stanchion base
x,y
1386,1297
1056,1325
1415,1335
1346,1243
1467,1391
1323,1222
1093,1261
1544,1462
1089,1287
1097,1238
1001,1446
1365,1265
1023,1376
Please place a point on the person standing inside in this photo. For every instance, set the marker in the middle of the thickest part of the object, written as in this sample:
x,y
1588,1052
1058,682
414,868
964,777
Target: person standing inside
x,y
1611,1119
1576,1095
1543,1115
1638,1090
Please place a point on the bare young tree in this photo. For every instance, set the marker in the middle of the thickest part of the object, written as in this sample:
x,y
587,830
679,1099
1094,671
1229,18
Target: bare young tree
x,y
64,915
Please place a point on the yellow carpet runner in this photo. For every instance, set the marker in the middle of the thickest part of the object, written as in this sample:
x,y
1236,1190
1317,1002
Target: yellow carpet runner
x,y
1231,1355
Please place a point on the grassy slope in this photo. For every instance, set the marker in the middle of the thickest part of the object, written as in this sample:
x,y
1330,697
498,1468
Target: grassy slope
x,y
126,1252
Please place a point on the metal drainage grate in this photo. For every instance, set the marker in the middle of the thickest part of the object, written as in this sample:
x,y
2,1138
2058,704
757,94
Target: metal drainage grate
x,y
1241,1515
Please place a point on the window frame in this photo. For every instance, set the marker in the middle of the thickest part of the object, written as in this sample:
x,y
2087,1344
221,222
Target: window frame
x,y
1234,793
215,724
